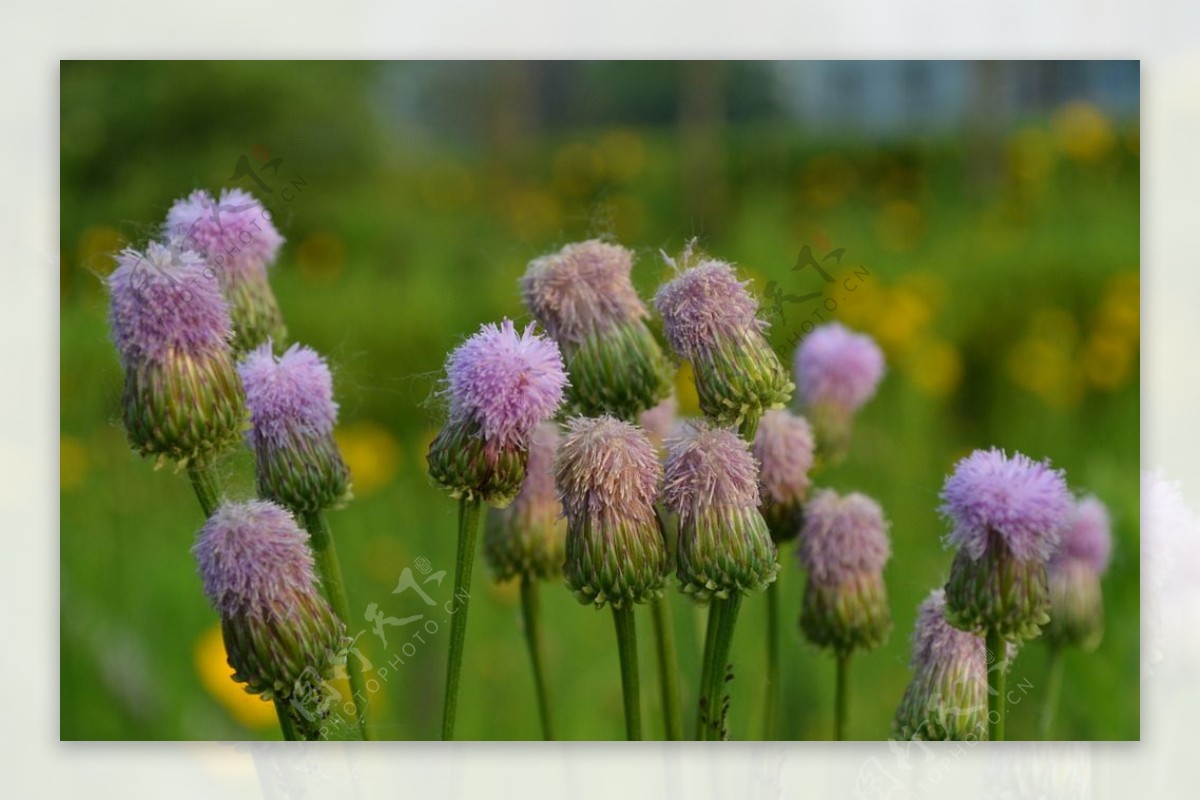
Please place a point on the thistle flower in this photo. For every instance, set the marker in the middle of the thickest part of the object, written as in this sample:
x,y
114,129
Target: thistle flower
x,y
607,474
292,414
1007,514
235,235
783,446
844,548
724,546
584,298
501,384
659,422
837,371
279,632
525,539
1074,571
947,697
182,399
710,319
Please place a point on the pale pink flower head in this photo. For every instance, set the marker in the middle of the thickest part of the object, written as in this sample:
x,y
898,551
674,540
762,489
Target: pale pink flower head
x,y
837,367
844,537
288,394
1087,538
704,305
783,446
1026,503
234,232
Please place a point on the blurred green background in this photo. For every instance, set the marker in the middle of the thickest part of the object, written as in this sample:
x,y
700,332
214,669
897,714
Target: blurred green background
x,y
991,211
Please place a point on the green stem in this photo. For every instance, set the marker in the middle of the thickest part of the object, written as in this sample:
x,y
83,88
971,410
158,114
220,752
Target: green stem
x,y
771,713
204,482
749,427
710,642
996,678
468,529
334,587
627,648
1054,680
286,724
533,638
668,673
840,696
725,611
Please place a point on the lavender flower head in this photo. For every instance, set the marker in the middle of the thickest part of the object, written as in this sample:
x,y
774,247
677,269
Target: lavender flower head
x,y
837,371
584,298
659,421
258,574
525,539
783,446
171,326
500,384
607,474
292,414
710,319
1007,516
1074,572
724,545
947,697
844,548
235,236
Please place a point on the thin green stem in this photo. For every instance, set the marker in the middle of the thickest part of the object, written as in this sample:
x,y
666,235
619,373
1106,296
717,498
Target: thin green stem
x,y
726,611
840,696
286,724
468,530
530,613
334,589
771,713
1054,680
710,642
668,672
749,427
204,482
627,647
996,680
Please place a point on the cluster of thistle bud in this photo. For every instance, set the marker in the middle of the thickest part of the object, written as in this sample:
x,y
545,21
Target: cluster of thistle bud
x,y
181,313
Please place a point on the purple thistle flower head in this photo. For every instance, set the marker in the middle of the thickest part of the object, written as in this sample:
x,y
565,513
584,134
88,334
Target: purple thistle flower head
x,y
505,381
935,642
784,446
165,302
538,490
1026,502
608,471
234,232
837,367
254,559
584,288
709,466
1087,538
703,305
844,536
288,394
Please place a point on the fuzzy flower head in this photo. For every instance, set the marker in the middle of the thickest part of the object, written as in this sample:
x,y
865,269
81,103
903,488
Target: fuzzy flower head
x,y
506,382
583,289
783,446
258,573
703,305
607,474
289,393
233,232
1087,538
292,414
1025,502
526,538
163,302
843,536
837,367
724,545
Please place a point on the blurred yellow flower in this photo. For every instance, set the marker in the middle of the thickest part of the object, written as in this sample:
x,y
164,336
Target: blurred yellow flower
x,y
578,168
935,367
827,180
900,225
321,257
1119,312
901,320
1031,155
216,676
371,453
72,462
533,214
1046,368
624,154
1084,133
685,391
1107,359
